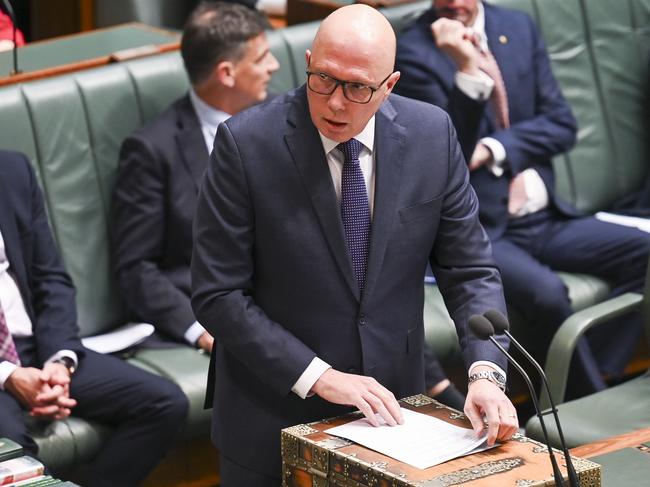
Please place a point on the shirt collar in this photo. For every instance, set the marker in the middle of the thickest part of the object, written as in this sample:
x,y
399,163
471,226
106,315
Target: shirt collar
x,y
479,26
366,137
208,115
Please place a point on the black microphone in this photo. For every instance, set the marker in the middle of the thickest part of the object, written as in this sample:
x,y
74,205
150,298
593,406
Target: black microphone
x,y
484,330
501,326
10,13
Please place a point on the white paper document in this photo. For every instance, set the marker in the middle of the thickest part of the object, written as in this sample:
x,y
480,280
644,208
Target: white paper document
x,y
422,441
119,339
628,221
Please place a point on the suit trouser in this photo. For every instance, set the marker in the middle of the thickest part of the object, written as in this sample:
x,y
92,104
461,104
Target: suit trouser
x,y
232,474
536,245
144,412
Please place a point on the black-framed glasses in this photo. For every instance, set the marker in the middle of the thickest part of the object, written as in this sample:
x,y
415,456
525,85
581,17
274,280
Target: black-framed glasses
x,y
324,84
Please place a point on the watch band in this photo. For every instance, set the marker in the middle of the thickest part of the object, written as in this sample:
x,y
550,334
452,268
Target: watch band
x,y
493,376
67,362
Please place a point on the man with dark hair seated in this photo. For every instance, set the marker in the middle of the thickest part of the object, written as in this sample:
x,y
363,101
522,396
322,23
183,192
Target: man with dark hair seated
x,y
228,62
45,370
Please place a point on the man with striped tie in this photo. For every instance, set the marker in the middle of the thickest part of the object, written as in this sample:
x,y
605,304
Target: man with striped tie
x,y
316,218
488,67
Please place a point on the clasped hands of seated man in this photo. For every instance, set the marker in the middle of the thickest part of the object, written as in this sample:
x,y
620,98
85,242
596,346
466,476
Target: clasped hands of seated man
x,y
484,400
463,46
45,393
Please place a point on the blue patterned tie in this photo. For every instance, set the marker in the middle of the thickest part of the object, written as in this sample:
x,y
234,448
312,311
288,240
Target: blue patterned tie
x,y
355,210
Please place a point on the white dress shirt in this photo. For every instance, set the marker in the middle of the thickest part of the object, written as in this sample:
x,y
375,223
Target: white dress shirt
x,y
335,160
479,88
209,118
18,320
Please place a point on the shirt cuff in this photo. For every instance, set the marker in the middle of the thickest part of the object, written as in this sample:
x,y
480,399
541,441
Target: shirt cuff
x,y
6,369
487,364
64,353
496,166
476,87
193,333
308,378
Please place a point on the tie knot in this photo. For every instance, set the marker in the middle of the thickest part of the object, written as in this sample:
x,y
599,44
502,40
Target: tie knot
x,y
350,149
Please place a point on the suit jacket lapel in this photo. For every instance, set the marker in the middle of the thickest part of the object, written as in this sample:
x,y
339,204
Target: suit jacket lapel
x,y
190,141
11,239
499,43
308,156
390,138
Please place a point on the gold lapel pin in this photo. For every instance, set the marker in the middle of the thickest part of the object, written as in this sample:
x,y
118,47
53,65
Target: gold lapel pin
x,y
503,39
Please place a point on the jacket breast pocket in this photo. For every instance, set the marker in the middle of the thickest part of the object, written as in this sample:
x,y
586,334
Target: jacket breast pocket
x,y
420,211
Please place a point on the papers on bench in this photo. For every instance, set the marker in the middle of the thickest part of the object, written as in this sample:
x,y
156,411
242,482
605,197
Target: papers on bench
x,y
629,221
120,339
422,441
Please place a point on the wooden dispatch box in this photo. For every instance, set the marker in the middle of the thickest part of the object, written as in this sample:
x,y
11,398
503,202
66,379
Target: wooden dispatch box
x,y
312,458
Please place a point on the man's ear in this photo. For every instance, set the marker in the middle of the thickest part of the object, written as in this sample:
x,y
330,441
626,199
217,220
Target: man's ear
x,y
307,56
390,83
225,73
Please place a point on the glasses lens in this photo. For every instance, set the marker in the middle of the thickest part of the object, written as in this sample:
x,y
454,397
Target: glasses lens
x,y
321,83
357,93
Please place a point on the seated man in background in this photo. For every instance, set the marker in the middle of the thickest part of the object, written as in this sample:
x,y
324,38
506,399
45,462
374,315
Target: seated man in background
x,y
45,370
227,59
488,68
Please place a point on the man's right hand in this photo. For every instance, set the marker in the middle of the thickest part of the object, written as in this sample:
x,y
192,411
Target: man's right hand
x,y
359,391
459,42
205,342
26,384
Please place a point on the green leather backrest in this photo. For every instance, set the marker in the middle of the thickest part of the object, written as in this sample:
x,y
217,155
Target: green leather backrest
x,y
599,51
71,128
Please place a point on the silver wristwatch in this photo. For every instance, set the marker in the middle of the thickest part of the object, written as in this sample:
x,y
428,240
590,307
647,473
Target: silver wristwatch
x,y
491,375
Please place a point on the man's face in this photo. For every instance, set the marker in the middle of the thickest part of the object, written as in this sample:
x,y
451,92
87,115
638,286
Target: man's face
x,y
462,10
253,71
336,117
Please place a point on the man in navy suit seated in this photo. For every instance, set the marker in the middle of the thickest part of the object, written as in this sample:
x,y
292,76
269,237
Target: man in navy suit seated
x,y
228,62
488,68
45,370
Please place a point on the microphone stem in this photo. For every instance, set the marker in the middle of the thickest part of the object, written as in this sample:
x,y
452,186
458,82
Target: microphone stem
x,y
559,481
573,477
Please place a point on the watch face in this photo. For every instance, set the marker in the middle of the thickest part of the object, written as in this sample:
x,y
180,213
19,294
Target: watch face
x,y
499,378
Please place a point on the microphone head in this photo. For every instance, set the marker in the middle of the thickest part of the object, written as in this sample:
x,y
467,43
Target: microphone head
x,y
499,322
481,326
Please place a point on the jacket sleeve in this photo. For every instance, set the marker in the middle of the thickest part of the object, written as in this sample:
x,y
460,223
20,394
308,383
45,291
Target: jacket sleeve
x,y
50,287
462,262
223,273
138,242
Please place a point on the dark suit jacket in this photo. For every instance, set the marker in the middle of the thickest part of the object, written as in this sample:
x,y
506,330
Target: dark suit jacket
x,y
542,124
161,166
273,282
45,286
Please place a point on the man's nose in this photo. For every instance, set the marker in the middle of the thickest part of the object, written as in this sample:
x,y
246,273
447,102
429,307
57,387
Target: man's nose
x,y
273,64
337,100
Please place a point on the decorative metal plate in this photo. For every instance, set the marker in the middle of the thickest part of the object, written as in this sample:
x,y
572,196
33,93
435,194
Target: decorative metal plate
x,y
474,473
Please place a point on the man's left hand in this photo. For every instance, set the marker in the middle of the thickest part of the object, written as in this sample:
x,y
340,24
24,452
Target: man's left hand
x,y
480,157
485,399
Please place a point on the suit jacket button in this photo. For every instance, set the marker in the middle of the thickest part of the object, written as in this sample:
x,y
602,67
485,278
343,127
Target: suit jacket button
x,y
362,319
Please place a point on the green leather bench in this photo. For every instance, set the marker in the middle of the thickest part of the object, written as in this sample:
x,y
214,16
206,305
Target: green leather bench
x,y
71,128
